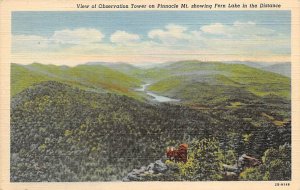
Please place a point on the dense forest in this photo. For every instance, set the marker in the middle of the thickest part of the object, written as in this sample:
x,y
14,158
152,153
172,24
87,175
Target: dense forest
x,y
90,124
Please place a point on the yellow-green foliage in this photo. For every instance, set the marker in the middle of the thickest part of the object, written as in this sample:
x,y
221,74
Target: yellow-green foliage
x,y
205,161
250,174
22,78
42,147
68,132
87,77
166,85
235,104
276,165
230,157
189,169
196,79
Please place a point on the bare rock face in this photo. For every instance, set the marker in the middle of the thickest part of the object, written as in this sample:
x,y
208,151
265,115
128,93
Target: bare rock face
x,y
159,167
153,172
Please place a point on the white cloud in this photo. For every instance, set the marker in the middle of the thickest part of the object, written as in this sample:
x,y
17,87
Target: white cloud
x,y
25,43
241,30
216,41
123,37
78,36
243,24
176,30
216,28
61,39
170,34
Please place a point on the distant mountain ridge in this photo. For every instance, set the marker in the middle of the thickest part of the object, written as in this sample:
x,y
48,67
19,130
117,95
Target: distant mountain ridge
x,y
123,78
92,77
188,80
283,68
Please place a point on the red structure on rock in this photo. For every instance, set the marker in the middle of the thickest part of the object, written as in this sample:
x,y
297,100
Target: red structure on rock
x,y
179,154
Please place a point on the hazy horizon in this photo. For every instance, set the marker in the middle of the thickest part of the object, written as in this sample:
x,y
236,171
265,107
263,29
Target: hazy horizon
x,y
145,65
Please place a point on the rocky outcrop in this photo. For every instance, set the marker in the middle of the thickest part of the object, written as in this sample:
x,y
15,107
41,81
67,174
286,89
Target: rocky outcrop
x,y
169,171
231,172
157,171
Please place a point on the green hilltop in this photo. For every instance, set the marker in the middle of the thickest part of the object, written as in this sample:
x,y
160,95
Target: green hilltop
x,y
97,78
176,80
194,80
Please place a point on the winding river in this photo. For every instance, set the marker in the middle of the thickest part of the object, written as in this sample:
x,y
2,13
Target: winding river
x,y
156,97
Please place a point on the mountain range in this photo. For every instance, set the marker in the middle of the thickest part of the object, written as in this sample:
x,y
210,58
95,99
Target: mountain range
x,y
91,123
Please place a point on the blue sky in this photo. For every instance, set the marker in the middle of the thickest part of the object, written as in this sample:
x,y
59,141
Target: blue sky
x,y
151,36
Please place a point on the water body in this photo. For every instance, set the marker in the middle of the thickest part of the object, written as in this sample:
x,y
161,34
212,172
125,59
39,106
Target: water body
x,y
156,97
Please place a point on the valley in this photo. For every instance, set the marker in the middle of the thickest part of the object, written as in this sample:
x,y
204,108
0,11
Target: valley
x,y
98,121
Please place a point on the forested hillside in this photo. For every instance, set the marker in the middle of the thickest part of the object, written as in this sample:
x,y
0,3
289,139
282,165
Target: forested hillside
x,y
88,123
97,78
188,79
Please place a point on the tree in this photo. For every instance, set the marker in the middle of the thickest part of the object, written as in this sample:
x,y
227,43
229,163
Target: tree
x,y
252,174
205,161
277,163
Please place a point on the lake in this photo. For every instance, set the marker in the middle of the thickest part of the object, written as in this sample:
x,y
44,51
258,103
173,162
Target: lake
x,y
155,96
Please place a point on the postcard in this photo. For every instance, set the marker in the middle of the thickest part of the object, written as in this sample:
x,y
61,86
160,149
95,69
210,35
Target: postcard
x,y
153,95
